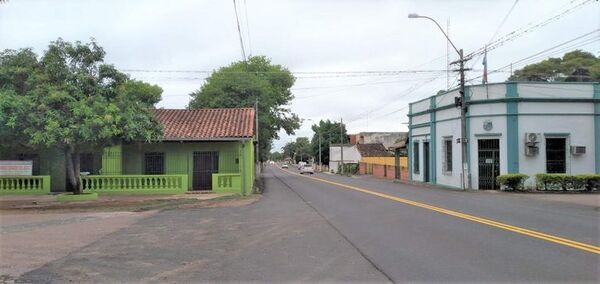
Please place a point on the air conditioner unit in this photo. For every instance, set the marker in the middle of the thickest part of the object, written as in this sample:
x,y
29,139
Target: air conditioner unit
x,y
531,151
533,138
577,150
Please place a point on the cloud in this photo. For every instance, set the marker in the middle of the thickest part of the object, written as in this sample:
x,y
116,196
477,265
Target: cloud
x,y
302,35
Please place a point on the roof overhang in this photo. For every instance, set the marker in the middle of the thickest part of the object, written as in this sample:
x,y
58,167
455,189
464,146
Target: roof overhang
x,y
223,139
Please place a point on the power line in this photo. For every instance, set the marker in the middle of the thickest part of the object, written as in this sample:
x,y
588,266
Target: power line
x,y
239,30
546,52
524,30
248,27
497,30
388,72
405,93
368,83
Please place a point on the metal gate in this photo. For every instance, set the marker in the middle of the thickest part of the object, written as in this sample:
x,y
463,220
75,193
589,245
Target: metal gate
x,y
489,162
205,164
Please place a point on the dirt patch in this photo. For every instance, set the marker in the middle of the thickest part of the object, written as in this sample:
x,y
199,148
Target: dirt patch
x,y
124,203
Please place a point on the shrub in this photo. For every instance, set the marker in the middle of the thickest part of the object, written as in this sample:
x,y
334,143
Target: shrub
x,y
550,181
567,182
349,169
511,181
588,181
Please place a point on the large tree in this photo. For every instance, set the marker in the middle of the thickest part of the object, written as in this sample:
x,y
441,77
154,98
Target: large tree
x,y
298,150
329,132
574,66
243,83
69,99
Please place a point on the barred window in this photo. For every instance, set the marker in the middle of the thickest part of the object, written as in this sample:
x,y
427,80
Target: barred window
x,y
154,163
556,155
90,162
416,157
448,155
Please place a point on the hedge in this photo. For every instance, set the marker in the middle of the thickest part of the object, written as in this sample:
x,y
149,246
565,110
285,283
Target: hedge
x,y
349,169
568,182
511,181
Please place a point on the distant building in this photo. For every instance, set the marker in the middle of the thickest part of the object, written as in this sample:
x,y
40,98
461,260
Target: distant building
x,y
351,155
386,138
513,127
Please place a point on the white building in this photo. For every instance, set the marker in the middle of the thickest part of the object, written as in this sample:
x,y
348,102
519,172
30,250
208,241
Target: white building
x,y
351,155
513,127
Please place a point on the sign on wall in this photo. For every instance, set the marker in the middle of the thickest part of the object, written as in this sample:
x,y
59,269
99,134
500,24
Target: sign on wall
x,y
16,168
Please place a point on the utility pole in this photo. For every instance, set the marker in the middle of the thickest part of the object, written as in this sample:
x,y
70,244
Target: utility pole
x,y
459,102
320,162
256,132
342,143
466,180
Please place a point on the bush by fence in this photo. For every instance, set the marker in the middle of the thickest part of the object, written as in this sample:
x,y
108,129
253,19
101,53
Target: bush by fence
x,y
568,182
512,181
349,169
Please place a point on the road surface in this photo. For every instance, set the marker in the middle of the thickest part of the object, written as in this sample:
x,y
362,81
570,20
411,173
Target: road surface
x,y
413,243
340,229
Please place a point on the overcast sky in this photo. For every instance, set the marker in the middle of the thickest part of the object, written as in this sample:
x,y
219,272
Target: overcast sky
x,y
305,36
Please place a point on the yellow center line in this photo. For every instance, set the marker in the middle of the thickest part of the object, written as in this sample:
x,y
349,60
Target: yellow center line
x,y
492,223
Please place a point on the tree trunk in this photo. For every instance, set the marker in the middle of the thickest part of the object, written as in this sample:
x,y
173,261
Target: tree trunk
x,y
73,168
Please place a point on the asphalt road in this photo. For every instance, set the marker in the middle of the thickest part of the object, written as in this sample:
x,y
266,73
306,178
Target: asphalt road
x,y
309,230
410,243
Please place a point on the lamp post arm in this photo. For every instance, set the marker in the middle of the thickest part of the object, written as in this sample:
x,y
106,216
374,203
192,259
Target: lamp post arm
x,y
442,30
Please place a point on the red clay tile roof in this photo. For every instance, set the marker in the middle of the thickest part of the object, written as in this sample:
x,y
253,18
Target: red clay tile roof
x,y
373,150
206,124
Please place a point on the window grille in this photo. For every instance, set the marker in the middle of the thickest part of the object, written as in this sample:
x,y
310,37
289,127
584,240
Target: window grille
x,y
448,155
154,163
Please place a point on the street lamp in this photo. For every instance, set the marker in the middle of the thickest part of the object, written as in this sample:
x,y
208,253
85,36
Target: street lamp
x,y
466,180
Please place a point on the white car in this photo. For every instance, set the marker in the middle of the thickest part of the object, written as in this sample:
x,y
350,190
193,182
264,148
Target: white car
x,y
307,169
284,166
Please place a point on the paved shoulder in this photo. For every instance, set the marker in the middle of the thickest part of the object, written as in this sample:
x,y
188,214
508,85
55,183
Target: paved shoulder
x,y
279,238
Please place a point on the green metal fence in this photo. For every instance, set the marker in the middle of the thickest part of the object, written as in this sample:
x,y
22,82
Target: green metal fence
x,y
135,184
24,185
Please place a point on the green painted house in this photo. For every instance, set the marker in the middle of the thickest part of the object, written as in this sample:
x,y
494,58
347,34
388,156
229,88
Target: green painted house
x,y
201,150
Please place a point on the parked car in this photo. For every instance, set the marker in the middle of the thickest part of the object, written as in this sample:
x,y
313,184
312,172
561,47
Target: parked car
x,y
307,169
284,166
300,165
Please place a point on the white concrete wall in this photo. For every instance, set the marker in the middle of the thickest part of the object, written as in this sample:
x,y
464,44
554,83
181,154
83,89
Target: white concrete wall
x,y
488,92
555,90
446,99
351,156
420,106
572,118
444,129
580,130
